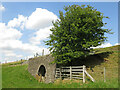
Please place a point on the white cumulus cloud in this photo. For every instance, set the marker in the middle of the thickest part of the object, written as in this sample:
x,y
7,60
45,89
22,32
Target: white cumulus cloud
x,y
40,35
117,44
12,47
103,45
18,22
40,18
6,36
10,53
8,33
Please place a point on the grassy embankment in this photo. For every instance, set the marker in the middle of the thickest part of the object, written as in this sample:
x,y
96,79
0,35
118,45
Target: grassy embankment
x,y
15,75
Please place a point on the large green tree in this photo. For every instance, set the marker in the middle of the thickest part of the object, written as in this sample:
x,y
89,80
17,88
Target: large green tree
x,y
78,29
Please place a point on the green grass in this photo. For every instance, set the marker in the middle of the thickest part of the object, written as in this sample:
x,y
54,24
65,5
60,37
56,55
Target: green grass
x,y
14,63
19,77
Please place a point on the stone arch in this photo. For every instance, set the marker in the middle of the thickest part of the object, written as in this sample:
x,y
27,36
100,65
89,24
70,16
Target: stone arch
x,y
42,70
35,64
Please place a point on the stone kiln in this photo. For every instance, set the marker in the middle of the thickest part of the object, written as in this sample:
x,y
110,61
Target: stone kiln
x,y
41,66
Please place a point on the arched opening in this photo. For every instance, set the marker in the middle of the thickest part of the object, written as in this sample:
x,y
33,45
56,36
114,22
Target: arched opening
x,y
42,71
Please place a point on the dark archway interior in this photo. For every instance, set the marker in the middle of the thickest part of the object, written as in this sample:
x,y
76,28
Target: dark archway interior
x,y
42,71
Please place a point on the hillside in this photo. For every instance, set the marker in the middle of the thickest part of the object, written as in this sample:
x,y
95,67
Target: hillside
x,y
15,75
104,57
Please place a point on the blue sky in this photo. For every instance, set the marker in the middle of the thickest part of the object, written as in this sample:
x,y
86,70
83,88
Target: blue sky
x,y
30,31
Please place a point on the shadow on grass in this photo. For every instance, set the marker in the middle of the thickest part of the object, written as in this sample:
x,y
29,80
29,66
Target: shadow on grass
x,y
91,61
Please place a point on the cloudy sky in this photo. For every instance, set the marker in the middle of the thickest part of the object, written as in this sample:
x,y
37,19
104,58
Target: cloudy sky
x,y
24,26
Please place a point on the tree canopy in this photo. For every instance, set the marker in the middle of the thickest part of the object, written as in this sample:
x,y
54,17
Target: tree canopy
x,y
76,30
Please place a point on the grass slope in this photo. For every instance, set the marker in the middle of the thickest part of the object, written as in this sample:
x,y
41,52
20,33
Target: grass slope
x,y
18,76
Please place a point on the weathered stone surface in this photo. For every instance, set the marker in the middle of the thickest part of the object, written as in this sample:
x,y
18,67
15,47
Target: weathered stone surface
x,y
35,63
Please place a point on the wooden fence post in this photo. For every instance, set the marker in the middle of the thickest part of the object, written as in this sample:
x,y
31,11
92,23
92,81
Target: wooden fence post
x,y
70,72
60,73
83,73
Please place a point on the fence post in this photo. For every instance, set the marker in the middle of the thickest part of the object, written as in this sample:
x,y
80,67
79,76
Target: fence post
x,y
70,72
60,73
104,75
83,73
